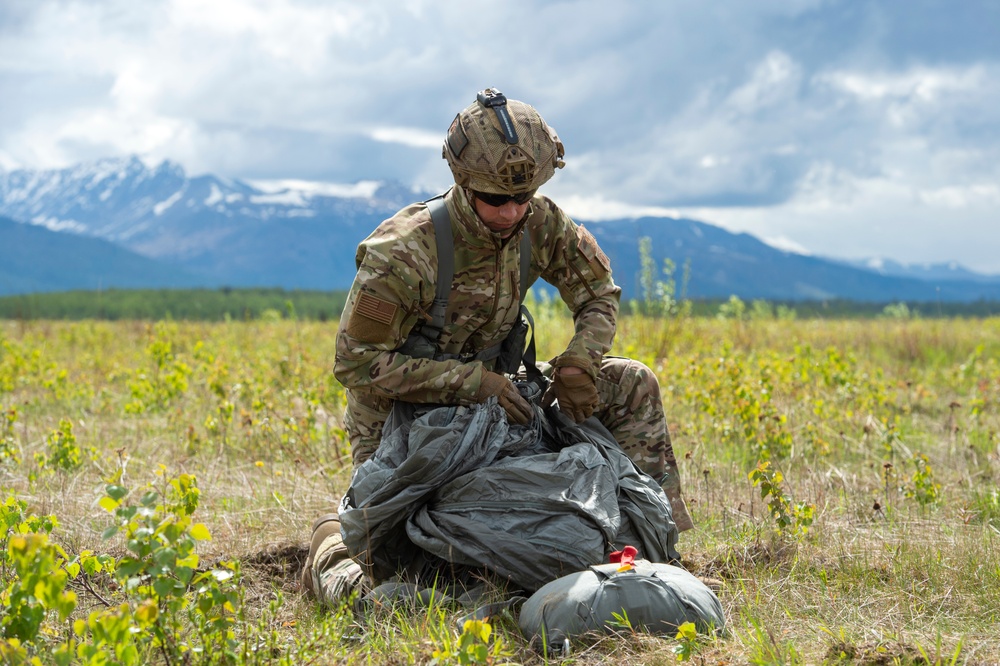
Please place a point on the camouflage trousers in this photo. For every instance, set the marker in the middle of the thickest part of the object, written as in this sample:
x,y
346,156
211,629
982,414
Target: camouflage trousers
x,y
630,408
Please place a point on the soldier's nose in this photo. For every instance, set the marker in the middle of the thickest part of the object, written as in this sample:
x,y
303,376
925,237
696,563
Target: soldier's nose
x,y
509,210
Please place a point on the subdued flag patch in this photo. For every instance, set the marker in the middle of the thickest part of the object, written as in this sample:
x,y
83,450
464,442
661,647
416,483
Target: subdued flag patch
x,y
375,308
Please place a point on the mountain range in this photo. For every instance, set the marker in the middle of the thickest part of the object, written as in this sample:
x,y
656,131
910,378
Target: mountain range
x,y
126,223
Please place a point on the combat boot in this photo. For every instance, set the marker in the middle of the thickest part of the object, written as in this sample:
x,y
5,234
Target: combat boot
x,y
329,574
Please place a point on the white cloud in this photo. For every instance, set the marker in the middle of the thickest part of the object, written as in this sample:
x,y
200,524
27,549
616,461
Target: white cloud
x,y
962,196
595,209
921,84
786,244
710,161
295,34
840,215
89,133
812,121
307,189
774,80
7,162
408,136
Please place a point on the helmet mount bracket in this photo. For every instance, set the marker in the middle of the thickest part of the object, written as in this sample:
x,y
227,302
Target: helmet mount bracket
x,y
492,98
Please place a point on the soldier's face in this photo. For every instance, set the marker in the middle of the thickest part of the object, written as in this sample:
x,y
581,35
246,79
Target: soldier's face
x,y
501,219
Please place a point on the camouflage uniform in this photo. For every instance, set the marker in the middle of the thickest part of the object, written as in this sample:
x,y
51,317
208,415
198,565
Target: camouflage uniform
x,y
394,289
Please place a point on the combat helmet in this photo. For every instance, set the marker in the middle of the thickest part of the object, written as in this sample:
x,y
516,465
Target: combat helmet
x,y
501,146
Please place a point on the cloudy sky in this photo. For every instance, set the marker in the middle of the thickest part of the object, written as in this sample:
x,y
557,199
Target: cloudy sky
x,y
842,128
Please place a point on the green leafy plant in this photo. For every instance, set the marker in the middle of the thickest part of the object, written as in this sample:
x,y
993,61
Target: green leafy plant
x,y
687,641
659,288
34,574
15,362
734,309
165,380
38,587
110,635
473,646
62,451
922,486
9,449
900,311
621,621
187,610
16,520
798,516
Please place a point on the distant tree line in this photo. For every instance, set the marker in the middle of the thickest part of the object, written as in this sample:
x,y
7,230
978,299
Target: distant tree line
x,y
247,304
734,308
179,304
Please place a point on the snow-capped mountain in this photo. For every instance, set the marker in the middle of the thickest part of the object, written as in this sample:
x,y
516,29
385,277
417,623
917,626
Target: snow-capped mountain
x,y
293,234
302,235
158,211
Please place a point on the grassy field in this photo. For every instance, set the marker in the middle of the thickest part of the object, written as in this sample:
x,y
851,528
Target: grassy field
x,y
176,467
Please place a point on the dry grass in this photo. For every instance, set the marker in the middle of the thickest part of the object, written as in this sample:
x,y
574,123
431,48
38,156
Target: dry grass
x,y
880,577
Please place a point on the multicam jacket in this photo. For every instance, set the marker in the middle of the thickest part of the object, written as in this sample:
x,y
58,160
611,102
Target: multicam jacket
x,y
396,282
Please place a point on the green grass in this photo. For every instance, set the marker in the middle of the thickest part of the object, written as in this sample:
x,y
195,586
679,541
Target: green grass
x,y
884,575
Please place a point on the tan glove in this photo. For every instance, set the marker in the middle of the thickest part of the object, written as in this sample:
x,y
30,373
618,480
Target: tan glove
x,y
576,393
517,408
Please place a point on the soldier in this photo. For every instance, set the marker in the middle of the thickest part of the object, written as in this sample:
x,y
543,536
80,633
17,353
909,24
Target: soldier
x,y
500,152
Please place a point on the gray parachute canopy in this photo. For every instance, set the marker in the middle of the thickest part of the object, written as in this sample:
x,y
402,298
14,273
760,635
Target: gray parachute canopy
x,y
457,487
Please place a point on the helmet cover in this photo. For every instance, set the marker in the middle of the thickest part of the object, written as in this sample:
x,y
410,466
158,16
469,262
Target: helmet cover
x,y
501,146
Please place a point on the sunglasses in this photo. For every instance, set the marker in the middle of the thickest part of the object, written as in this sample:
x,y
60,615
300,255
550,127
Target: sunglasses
x,y
497,200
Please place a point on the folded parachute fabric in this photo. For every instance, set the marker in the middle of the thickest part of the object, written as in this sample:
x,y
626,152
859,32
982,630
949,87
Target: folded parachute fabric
x,y
459,486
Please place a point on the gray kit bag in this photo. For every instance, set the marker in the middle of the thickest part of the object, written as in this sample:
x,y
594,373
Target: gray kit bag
x,y
656,598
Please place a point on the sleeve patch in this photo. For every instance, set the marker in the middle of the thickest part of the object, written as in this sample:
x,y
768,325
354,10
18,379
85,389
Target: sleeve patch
x,y
457,139
375,308
587,245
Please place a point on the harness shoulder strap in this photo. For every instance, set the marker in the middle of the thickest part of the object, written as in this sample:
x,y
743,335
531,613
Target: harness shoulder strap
x,y
423,341
446,266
